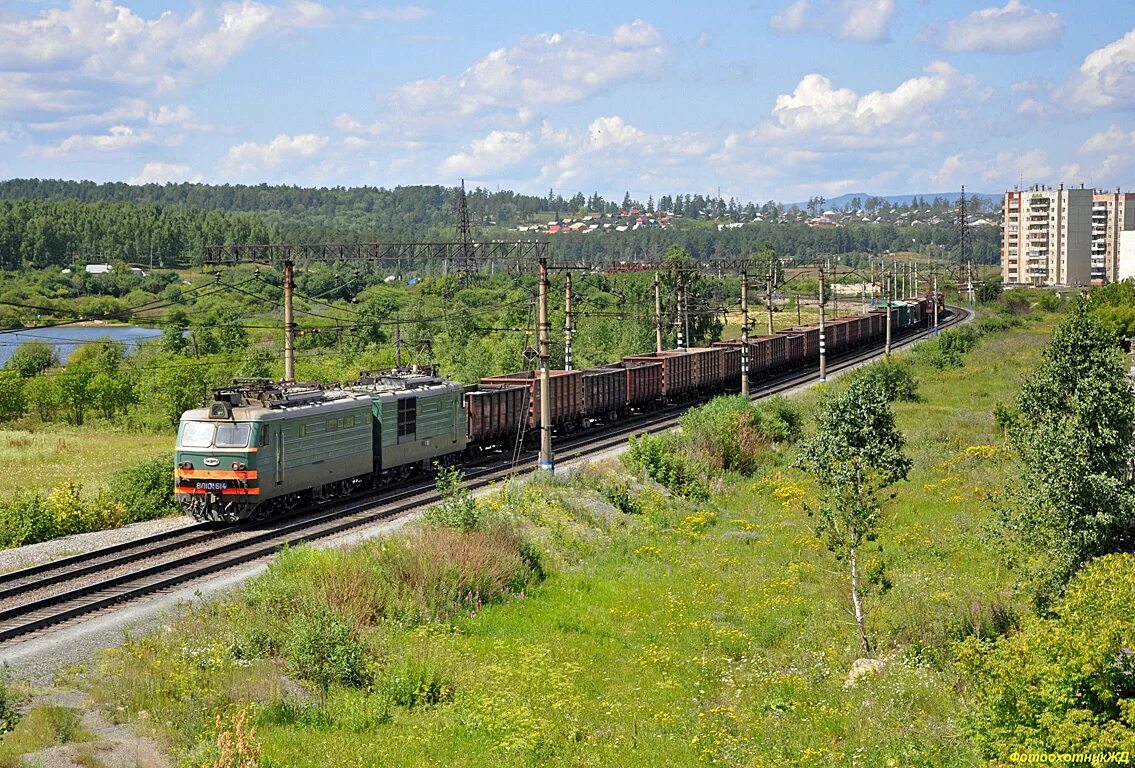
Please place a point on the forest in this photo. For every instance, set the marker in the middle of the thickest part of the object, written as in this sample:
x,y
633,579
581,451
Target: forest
x,y
65,223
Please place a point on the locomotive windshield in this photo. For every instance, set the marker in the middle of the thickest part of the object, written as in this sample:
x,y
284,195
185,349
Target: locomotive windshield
x,y
203,434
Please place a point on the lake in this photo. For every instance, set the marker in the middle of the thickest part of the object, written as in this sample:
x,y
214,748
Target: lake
x,y
67,337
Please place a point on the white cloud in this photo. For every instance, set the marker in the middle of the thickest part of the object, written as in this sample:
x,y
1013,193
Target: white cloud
x,y
163,173
865,21
348,124
948,171
491,155
5,137
250,157
120,137
396,13
616,151
839,116
539,71
1014,28
1106,78
1013,167
1109,140
91,57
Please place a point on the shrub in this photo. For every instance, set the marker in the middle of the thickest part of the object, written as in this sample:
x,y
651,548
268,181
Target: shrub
x,y
781,419
725,433
998,322
25,519
414,682
10,702
658,457
457,509
947,350
324,650
145,489
1065,683
440,572
893,377
13,402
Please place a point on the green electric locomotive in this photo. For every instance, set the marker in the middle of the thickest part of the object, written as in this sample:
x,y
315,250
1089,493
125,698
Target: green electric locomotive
x,y
260,448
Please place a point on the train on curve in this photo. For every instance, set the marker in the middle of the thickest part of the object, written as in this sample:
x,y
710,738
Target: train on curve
x,y
261,448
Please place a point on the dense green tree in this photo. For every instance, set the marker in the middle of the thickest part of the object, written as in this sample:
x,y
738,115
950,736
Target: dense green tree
x,y
73,385
13,400
32,357
1074,435
856,453
43,396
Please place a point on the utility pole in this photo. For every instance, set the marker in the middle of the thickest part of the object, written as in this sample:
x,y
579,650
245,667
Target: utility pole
x,y
887,304
745,333
678,318
289,324
398,341
686,313
657,312
934,298
547,462
768,298
567,323
798,320
823,341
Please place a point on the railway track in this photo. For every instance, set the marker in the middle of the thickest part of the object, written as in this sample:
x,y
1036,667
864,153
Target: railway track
x,y
44,595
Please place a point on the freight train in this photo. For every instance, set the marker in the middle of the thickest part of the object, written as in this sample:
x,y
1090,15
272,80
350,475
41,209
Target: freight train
x,y
261,448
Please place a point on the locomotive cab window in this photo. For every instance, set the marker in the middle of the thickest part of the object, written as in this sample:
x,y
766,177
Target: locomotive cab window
x,y
407,416
196,434
233,435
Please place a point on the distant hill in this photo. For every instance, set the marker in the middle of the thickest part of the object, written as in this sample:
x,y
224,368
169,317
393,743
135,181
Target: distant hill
x,y
842,200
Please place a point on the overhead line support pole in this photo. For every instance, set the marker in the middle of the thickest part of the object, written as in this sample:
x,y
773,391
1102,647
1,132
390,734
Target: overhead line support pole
x,y
934,298
567,322
768,297
678,319
887,305
823,340
744,333
289,324
657,312
547,462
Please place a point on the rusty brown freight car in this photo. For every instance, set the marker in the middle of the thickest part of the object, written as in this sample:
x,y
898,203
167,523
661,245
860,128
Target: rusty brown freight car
x,y
794,348
731,367
677,372
496,414
644,382
567,395
604,392
809,344
708,363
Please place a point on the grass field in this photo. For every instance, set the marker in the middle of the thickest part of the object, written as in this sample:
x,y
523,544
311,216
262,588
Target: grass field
x,y
681,635
54,453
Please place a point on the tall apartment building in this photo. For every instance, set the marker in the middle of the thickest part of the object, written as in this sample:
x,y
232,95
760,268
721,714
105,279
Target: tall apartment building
x,y
1112,213
1047,236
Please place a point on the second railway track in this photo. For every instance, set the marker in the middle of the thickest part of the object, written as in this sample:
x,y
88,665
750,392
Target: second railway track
x,y
48,594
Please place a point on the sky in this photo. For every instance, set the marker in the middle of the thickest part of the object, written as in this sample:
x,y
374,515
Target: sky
x,y
772,99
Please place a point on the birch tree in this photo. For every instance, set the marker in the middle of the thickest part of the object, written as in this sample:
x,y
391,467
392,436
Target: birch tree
x,y
855,455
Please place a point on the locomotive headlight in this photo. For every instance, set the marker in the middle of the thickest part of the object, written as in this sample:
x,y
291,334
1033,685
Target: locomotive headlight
x,y
238,465
185,465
